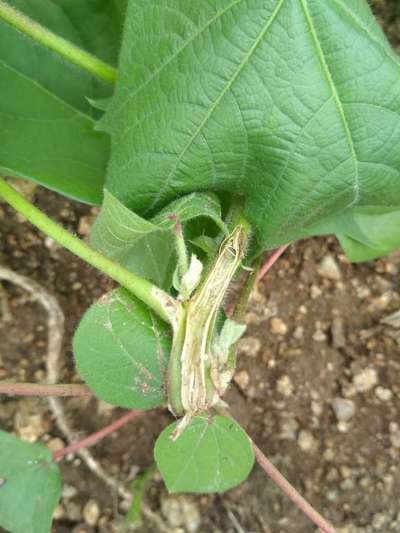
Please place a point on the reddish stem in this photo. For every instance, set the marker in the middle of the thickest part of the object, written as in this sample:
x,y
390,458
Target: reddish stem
x,y
270,261
35,389
291,492
96,437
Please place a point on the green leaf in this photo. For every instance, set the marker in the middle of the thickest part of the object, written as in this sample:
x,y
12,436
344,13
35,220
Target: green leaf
x,y
147,247
46,140
212,455
121,350
46,120
30,486
292,103
380,235
364,233
94,26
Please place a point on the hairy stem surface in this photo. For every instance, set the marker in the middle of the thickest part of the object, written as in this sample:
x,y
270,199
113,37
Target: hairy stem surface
x,y
57,44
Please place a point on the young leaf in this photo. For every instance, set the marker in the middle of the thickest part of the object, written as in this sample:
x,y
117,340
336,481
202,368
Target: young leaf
x,y
212,455
46,120
147,247
121,350
30,486
292,103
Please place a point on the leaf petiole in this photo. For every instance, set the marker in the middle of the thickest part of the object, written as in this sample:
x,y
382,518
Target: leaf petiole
x,y
159,301
57,44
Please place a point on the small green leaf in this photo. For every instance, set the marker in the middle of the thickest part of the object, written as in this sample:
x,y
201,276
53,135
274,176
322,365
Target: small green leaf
x,y
30,486
147,247
121,350
211,455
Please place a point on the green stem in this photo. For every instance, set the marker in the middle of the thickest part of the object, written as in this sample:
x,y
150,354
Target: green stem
x,y
158,300
57,44
181,251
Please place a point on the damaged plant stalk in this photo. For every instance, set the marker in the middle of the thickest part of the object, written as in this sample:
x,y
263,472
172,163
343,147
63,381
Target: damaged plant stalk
x,y
199,371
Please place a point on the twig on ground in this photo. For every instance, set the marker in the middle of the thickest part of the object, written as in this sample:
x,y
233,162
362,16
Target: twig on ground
x,y
55,333
4,306
291,492
96,437
43,390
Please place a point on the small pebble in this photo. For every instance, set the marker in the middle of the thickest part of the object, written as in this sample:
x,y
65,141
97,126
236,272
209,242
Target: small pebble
x,y
328,268
306,441
289,429
91,512
365,380
181,511
284,386
395,439
55,444
298,333
338,333
344,409
278,326
249,346
242,379
319,336
383,394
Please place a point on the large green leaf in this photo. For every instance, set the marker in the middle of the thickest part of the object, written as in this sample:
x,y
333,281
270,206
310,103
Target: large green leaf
x,y
147,247
43,134
211,455
121,350
293,103
30,486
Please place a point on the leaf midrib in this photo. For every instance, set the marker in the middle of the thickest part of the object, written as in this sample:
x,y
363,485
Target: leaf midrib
x,y
214,106
336,98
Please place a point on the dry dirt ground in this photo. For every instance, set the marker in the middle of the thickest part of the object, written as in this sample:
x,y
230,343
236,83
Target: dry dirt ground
x,y
318,386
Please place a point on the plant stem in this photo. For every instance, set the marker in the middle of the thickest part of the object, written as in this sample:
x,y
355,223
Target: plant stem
x,y
291,492
138,488
181,250
271,260
57,44
97,436
240,307
159,301
35,389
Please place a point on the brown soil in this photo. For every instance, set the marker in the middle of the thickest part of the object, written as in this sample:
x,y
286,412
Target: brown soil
x,y
314,339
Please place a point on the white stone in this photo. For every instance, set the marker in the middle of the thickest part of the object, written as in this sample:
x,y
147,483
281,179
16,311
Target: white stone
x,y
278,326
383,394
285,386
306,441
365,380
328,268
344,409
91,512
